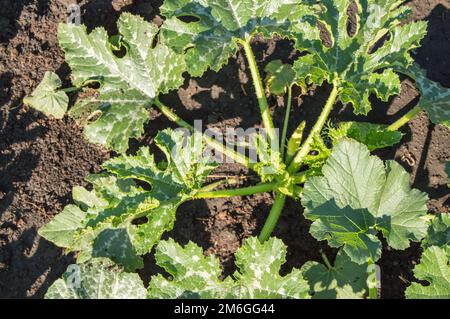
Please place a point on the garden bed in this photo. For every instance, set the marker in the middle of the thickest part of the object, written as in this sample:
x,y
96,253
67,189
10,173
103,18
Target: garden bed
x,y
42,159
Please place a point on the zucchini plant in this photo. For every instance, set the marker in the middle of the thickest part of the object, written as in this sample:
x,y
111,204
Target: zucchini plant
x,y
352,197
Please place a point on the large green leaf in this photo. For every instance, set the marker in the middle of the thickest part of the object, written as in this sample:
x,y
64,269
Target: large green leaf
x,y
357,196
197,276
374,136
210,37
47,98
128,83
344,280
97,279
350,59
434,98
103,223
434,268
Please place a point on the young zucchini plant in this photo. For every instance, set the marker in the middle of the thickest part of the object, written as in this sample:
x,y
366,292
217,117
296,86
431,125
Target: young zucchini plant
x,y
135,200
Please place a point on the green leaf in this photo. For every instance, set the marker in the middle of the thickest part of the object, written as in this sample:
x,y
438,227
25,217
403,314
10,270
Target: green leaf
x,y
86,199
97,279
279,77
62,229
47,99
345,280
357,196
350,60
435,269
434,98
197,276
210,38
438,232
104,224
374,136
128,83
116,243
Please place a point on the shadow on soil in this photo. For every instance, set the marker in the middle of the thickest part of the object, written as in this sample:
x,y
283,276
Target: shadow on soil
x,y
223,99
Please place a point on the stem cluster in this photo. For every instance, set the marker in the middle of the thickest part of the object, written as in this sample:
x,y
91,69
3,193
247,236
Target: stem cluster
x,y
296,151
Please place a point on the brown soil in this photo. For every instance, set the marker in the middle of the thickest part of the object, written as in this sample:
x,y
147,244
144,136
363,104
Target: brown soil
x,y
42,159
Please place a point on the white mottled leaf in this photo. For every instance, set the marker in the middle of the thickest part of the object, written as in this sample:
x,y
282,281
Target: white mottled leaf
x,y
434,98
104,223
127,84
210,37
97,279
198,276
350,60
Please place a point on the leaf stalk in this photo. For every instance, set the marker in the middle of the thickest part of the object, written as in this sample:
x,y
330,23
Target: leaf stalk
x,y
317,128
286,121
404,119
172,116
274,216
245,191
259,90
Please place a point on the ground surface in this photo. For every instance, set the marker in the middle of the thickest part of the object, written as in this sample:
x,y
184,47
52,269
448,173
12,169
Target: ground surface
x,y
42,159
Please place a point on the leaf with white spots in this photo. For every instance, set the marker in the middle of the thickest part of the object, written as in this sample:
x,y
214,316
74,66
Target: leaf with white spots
x,y
357,197
209,29
195,275
123,221
47,98
127,83
362,63
434,98
97,279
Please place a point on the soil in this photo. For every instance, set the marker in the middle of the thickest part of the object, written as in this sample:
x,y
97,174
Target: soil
x,y
42,159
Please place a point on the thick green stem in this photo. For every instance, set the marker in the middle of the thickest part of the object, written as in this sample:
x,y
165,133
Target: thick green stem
x,y
171,115
240,158
286,121
274,215
306,147
280,199
212,186
245,191
259,90
325,260
404,119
